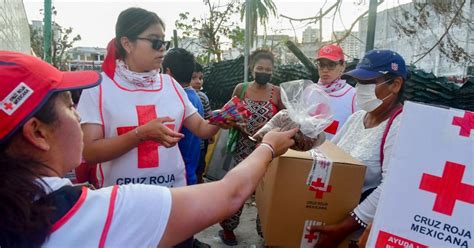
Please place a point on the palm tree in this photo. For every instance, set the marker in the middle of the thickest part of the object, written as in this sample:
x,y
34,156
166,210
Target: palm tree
x,y
260,10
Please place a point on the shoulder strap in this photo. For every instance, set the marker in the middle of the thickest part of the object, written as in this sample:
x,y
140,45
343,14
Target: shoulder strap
x,y
242,92
385,133
63,200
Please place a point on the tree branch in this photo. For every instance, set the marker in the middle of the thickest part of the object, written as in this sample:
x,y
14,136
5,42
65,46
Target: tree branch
x,y
444,34
314,18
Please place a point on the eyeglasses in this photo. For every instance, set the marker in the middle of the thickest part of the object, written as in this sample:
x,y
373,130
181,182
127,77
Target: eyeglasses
x,y
328,65
156,43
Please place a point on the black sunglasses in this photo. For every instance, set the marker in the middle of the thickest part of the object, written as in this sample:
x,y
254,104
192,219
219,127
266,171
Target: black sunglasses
x,y
156,43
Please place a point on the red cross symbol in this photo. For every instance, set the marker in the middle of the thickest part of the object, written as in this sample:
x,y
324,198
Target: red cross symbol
x,y
332,129
311,236
8,105
448,188
316,185
466,123
148,156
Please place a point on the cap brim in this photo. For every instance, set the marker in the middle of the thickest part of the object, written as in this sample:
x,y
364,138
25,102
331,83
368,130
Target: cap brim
x,y
333,59
362,74
79,80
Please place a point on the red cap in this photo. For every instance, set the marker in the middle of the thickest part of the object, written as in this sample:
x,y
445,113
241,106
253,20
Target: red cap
x,y
26,83
331,52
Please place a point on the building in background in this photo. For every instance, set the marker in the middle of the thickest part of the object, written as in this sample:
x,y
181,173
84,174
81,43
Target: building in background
x,y
311,42
86,58
386,37
351,45
14,28
311,35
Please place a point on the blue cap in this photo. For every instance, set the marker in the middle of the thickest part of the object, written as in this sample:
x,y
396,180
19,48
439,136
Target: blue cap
x,y
376,63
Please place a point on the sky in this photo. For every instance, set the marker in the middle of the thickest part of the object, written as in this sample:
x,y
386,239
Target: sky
x,y
95,20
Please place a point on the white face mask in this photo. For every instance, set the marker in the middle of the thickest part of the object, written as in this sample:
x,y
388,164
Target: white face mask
x,y
365,96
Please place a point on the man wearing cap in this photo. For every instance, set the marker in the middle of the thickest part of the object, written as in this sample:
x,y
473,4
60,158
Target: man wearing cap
x,y
331,65
369,134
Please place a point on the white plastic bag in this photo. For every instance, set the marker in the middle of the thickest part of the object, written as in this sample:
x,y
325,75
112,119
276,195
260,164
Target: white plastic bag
x,y
307,108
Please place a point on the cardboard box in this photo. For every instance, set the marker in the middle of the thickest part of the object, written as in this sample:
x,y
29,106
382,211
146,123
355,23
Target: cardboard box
x,y
286,203
428,195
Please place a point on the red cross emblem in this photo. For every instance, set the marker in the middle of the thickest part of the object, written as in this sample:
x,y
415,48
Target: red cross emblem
x,y
312,235
148,156
448,188
316,185
8,105
332,129
466,123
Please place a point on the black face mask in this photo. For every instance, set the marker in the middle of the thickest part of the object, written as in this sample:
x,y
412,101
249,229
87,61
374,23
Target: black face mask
x,y
262,78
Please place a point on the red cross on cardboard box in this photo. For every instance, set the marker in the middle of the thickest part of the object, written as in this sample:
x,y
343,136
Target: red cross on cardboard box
x,y
448,188
8,105
466,123
316,185
312,235
148,156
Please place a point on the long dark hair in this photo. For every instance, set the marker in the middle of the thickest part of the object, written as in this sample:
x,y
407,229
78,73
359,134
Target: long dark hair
x,y
131,23
24,222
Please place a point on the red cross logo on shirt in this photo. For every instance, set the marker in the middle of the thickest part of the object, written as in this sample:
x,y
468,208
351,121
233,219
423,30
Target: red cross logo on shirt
x,y
311,236
8,105
148,156
316,185
332,129
466,123
448,188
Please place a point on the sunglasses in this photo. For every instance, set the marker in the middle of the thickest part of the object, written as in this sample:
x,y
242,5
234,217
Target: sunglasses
x,y
156,43
330,66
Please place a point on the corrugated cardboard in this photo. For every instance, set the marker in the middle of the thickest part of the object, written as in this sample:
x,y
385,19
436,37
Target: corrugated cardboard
x,y
285,202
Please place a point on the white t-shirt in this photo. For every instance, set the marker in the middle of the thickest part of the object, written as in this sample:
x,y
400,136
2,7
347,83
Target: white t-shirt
x,y
364,144
342,105
120,107
121,216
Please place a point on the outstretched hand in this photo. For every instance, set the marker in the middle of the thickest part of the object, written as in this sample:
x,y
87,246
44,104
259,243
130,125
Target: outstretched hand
x,y
157,130
280,141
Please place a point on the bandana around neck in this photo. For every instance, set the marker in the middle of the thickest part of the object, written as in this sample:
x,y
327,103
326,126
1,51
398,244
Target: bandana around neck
x,y
138,79
334,86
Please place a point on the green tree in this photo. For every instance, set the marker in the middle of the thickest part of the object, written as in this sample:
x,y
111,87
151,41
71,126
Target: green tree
x,y
62,40
209,29
260,12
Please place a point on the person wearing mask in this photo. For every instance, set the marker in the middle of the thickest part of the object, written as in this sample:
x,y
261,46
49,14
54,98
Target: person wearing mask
x,y
131,121
331,64
263,101
196,82
369,135
41,140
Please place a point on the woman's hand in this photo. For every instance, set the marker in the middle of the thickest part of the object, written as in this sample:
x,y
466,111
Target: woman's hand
x,y
157,130
280,141
329,236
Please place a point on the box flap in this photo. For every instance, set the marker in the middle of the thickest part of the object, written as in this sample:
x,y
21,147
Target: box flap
x,y
334,153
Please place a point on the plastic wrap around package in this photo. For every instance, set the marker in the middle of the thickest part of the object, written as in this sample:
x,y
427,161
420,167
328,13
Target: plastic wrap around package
x,y
307,108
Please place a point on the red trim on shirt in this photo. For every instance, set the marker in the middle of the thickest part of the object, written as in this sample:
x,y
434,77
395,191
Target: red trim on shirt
x,y
349,88
173,82
110,215
102,179
353,103
143,90
58,224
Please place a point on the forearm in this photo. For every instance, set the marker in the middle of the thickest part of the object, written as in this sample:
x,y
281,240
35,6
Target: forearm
x,y
245,177
102,150
206,130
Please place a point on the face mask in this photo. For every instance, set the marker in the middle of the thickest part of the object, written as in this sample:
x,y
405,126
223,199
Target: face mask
x,y
365,96
262,78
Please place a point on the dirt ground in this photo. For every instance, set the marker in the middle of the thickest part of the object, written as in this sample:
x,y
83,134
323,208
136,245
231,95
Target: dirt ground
x,y
246,233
